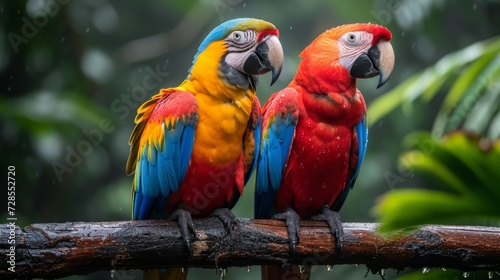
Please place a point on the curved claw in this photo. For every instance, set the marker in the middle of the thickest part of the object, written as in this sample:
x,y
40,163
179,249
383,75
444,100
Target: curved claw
x,y
185,222
332,218
292,220
227,217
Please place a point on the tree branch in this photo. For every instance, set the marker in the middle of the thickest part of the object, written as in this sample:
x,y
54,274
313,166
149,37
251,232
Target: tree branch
x,y
56,250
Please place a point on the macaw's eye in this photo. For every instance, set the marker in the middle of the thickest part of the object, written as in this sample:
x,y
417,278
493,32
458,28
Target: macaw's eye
x,y
237,36
351,37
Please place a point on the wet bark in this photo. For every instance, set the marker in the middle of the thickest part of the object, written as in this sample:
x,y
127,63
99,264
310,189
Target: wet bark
x,y
59,249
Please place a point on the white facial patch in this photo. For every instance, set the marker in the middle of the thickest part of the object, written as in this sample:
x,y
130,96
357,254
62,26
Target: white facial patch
x,y
352,45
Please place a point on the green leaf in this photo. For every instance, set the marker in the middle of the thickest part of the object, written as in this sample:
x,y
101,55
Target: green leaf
x,y
462,169
411,207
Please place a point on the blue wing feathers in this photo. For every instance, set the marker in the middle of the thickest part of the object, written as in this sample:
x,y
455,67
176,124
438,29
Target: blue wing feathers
x,y
362,133
275,150
187,141
160,174
137,205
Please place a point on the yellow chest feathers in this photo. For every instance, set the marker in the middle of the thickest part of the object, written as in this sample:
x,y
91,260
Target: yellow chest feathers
x,y
221,125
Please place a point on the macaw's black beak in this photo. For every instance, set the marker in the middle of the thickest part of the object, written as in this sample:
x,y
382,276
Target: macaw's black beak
x,y
268,56
379,60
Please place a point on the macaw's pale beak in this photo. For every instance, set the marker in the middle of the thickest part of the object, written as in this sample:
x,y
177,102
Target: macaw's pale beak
x,y
379,60
268,56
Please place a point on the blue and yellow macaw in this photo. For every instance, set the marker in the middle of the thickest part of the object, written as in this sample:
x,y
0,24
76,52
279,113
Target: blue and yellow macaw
x,y
194,146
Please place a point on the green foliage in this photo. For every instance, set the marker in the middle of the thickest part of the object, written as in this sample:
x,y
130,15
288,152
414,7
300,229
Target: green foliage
x,y
473,95
438,274
463,170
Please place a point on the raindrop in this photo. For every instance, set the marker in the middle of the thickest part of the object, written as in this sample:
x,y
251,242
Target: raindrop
x,y
402,34
380,123
329,267
120,209
63,39
474,6
113,273
338,137
281,140
291,27
466,274
490,274
301,269
8,89
244,5
249,268
87,30
11,77
222,273
444,268
382,272
426,270
357,265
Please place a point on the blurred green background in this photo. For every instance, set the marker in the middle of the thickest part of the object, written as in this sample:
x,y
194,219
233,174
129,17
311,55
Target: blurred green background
x,y
72,74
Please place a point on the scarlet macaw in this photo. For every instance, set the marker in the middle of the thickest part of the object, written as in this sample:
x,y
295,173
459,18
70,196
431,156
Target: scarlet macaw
x,y
314,132
195,145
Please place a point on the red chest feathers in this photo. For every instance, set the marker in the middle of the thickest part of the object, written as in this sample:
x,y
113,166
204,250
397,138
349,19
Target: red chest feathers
x,y
316,170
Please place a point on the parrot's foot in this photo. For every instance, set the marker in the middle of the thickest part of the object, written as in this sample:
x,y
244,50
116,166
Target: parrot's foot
x,y
292,220
333,220
185,222
227,217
